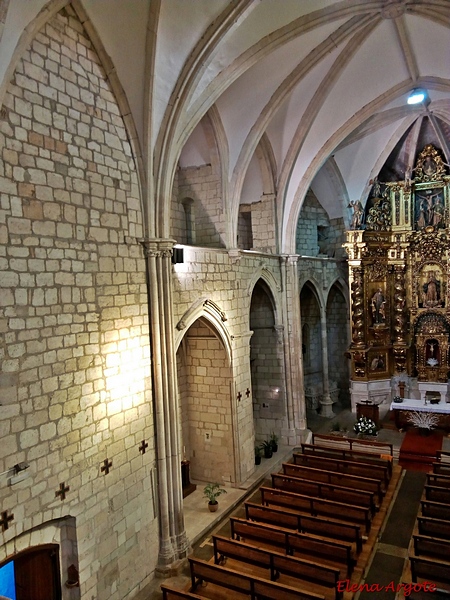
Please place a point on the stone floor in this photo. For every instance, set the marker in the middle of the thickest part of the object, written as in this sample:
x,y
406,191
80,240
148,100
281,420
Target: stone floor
x,y
199,521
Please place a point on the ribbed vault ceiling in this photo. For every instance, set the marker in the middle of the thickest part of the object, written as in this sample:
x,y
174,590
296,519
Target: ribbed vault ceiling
x,y
309,93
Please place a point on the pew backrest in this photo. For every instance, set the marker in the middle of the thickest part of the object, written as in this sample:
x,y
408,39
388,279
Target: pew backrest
x,y
438,510
255,587
432,527
430,569
173,594
383,460
305,523
431,546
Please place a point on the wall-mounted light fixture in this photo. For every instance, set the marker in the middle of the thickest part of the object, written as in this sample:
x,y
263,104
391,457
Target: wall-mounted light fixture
x,y
417,96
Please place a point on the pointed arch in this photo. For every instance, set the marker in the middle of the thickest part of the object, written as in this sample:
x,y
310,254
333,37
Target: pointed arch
x,y
209,310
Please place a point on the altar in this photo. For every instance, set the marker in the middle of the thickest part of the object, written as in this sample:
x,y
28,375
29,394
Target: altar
x,y
403,410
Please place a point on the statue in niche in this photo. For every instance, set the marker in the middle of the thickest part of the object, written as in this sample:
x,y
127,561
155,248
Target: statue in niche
x,y
431,209
432,291
432,353
377,363
358,214
378,305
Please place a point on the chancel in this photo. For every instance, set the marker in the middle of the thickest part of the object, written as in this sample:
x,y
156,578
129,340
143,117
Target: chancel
x,y
223,227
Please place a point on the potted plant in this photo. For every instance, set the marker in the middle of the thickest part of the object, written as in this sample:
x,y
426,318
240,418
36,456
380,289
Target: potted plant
x,y
258,454
267,447
274,441
211,492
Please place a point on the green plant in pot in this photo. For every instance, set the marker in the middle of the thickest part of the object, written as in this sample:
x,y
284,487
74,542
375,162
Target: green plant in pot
x,y
211,492
274,441
267,447
258,454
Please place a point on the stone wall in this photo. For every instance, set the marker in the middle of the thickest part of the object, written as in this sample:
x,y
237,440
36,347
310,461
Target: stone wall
x,y
227,280
206,405
202,187
317,234
75,380
267,367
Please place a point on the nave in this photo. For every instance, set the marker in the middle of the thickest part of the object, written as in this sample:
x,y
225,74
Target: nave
x,y
385,534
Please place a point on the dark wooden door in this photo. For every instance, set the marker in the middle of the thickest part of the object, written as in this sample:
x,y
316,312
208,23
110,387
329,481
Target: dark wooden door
x,y
37,574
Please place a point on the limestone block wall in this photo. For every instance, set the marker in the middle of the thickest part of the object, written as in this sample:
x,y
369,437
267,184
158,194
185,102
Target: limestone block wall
x,y
263,224
317,233
228,282
267,367
206,406
338,341
75,381
203,186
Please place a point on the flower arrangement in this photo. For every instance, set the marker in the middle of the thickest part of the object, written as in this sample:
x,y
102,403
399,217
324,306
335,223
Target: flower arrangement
x,y
365,426
423,420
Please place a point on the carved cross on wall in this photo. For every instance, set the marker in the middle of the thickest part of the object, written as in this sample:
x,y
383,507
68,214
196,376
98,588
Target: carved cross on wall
x,y
107,464
5,520
247,393
63,489
239,396
143,447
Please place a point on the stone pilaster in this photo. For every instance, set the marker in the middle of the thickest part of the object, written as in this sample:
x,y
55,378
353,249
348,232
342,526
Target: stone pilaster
x,y
326,403
295,392
173,544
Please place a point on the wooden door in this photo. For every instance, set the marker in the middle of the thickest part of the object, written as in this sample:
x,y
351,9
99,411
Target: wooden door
x,y
37,574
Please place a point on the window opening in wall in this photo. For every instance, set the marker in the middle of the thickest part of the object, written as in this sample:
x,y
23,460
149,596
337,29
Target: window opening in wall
x,y
322,238
189,220
305,345
245,234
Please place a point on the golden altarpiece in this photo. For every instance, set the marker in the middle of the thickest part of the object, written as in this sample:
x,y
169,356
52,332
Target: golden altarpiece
x,y
398,273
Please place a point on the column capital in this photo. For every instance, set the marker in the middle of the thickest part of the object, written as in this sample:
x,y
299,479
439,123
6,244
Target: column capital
x,y
157,247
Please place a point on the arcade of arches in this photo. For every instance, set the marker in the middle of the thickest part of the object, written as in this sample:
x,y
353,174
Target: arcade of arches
x,y
177,178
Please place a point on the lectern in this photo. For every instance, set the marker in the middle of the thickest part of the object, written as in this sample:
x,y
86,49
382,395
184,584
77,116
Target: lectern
x,y
369,410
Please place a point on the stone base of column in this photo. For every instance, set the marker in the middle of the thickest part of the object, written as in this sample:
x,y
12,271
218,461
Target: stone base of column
x,y
172,570
326,407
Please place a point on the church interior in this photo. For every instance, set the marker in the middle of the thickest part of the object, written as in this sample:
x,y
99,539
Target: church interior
x,y
223,227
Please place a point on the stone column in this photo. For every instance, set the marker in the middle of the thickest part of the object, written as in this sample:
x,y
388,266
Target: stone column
x,y
173,544
326,403
295,391
400,347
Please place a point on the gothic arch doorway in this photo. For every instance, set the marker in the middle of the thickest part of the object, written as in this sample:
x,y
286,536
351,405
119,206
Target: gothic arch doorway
x,y
33,574
337,342
311,347
204,388
266,360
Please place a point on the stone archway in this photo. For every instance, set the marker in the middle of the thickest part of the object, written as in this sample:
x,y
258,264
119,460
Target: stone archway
x,y
266,360
337,342
312,347
204,388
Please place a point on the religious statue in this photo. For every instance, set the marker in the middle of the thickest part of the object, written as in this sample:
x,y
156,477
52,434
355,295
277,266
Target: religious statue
x,y
377,363
358,214
378,304
431,291
431,209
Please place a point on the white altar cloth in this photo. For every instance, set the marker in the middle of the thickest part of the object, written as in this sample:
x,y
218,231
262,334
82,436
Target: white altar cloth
x,y
420,406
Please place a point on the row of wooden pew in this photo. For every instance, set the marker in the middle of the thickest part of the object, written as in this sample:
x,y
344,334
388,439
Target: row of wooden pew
x,y
305,535
431,543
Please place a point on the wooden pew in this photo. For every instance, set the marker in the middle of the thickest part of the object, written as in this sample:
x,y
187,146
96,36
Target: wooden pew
x,y
337,553
278,564
343,479
324,490
430,569
438,494
343,466
305,523
355,444
438,480
443,456
173,594
352,455
317,506
441,468
431,546
433,527
438,510
255,587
